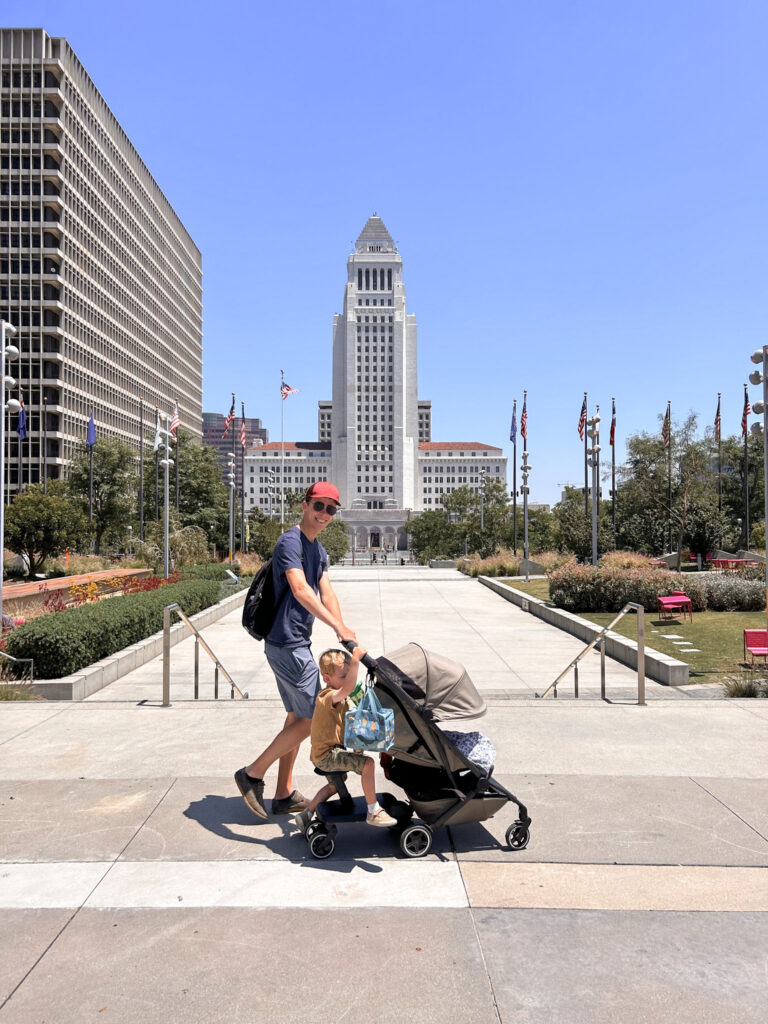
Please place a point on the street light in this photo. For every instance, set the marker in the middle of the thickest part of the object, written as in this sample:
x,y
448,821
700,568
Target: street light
x,y
230,478
758,377
594,461
6,352
525,469
166,463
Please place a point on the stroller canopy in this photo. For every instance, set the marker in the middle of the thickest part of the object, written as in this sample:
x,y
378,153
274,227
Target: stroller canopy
x,y
450,693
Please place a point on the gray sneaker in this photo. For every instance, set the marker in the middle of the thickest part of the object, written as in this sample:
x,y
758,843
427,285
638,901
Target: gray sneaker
x,y
302,820
252,791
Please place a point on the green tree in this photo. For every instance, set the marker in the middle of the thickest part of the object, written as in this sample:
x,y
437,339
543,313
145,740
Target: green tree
x,y
572,527
263,533
735,470
432,535
40,526
335,540
705,526
114,468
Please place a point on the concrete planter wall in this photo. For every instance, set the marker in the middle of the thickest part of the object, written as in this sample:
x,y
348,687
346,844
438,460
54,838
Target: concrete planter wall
x,y
95,677
658,666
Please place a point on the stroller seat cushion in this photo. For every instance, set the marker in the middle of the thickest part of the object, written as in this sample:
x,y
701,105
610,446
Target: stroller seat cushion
x,y
475,746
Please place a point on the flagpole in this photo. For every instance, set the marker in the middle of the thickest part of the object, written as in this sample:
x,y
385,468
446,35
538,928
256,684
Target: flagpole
x,y
242,491
141,469
233,488
719,460
613,467
45,445
669,476
282,453
90,482
514,479
586,471
176,439
157,467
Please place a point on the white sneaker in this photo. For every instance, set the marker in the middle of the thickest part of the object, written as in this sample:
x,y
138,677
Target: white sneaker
x,y
302,820
380,819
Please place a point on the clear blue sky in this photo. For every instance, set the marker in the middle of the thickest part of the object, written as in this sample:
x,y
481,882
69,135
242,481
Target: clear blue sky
x,y
579,190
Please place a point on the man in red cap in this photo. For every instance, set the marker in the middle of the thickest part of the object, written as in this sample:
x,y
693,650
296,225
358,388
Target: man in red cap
x,y
300,568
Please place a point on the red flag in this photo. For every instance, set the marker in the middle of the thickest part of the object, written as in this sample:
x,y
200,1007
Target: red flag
x,y
747,411
717,420
583,418
524,420
286,390
613,423
230,418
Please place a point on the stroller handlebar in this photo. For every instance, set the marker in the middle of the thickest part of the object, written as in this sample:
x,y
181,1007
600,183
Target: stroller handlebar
x,y
367,660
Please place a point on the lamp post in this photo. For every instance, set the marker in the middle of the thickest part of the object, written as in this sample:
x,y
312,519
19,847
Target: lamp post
x,y
6,352
758,377
230,478
166,463
525,469
594,461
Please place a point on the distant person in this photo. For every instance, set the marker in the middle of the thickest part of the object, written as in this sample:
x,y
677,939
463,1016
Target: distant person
x,y
300,572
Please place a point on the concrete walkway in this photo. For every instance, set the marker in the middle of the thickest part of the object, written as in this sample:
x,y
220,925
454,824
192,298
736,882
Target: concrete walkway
x,y
135,885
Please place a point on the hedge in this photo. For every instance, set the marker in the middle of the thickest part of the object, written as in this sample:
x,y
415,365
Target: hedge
x,y
586,588
210,571
66,641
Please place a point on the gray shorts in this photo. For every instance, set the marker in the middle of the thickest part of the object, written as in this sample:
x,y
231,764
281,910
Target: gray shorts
x,y
339,759
297,677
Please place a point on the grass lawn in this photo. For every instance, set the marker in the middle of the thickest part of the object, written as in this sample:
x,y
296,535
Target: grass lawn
x,y
717,635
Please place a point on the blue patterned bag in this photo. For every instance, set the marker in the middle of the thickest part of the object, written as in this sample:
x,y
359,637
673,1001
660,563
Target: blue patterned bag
x,y
369,726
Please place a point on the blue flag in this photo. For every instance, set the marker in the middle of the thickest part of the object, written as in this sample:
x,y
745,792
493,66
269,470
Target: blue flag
x,y
90,437
21,427
513,429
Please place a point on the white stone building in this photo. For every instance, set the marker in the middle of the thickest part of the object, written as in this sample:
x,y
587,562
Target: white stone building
x,y
374,436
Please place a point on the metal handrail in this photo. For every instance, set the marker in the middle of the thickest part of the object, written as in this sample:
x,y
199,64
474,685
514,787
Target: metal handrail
x,y
199,641
21,661
600,639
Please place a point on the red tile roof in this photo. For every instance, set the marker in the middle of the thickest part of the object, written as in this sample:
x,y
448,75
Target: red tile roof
x,y
465,446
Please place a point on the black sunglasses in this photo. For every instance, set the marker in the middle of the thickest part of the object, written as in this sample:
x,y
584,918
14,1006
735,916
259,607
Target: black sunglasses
x,y
320,506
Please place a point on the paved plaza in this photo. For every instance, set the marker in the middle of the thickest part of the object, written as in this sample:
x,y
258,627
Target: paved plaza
x,y
136,886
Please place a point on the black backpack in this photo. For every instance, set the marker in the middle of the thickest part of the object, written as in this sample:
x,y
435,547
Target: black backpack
x,y
261,602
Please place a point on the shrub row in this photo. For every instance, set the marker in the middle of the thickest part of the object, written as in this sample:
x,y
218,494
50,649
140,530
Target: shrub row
x,y
69,640
585,588
210,571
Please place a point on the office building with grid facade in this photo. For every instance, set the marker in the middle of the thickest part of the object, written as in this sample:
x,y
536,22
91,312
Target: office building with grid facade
x,y
375,435
97,272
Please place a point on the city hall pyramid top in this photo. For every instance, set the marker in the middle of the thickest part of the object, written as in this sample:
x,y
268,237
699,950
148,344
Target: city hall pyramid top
x,y
374,237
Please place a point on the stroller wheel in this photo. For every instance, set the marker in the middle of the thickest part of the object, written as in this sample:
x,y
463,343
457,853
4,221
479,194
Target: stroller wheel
x,y
517,836
416,840
321,845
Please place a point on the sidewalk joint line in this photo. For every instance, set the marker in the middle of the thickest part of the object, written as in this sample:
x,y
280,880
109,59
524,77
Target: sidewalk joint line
x,y
729,809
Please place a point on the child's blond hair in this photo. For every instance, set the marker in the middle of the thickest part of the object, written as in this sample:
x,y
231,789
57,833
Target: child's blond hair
x,y
333,659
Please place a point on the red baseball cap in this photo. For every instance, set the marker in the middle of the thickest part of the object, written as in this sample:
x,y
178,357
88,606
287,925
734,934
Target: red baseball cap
x,y
323,489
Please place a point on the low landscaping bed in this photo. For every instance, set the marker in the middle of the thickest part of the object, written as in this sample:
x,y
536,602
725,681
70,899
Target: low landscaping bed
x,y
66,641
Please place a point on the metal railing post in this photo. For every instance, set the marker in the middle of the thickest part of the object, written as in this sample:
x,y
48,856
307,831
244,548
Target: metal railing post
x,y
640,655
602,667
167,657
197,667
576,680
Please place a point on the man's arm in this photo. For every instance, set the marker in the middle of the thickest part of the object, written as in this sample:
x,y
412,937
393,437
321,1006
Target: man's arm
x,y
325,607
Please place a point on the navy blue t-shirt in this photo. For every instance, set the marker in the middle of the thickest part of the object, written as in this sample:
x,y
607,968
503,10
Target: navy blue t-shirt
x,y
293,623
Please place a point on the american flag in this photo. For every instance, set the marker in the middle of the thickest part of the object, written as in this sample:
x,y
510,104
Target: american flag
x,y
613,423
666,430
286,389
717,419
243,441
524,419
175,420
230,418
747,411
583,418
